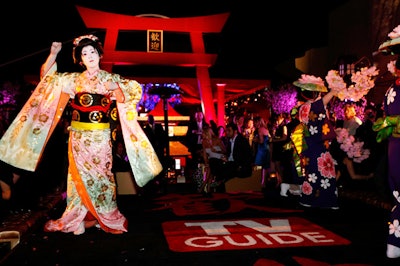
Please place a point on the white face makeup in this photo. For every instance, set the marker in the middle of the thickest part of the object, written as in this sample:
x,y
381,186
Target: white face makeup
x,y
90,57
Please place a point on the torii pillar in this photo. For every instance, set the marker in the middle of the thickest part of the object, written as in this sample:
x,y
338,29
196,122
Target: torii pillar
x,y
196,26
221,107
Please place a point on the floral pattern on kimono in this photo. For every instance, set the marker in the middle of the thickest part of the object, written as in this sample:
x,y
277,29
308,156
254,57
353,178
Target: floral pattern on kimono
x,y
318,166
91,189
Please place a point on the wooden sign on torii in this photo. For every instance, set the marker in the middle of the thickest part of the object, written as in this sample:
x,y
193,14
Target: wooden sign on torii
x,y
196,26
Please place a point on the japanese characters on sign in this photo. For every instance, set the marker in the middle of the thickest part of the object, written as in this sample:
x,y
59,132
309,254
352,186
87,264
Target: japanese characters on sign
x,y
155,41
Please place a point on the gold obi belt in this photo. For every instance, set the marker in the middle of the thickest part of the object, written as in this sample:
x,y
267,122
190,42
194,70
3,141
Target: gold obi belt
x,y
89,126
90,108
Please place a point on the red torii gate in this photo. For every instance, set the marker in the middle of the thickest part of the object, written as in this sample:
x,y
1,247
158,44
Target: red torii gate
x,y
196,26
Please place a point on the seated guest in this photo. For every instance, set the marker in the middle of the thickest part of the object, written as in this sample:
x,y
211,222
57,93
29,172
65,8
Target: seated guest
x,y
239,160
222,135
213,154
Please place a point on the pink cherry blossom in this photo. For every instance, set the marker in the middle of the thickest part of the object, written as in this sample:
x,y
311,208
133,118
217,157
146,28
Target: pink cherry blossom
x,y
326,165
304,112
306,188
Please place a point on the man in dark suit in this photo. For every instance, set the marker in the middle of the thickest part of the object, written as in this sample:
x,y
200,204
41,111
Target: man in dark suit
x,y
157,137
239,162
193,137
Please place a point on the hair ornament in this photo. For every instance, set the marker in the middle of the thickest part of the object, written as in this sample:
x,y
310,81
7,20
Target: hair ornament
x,y
310,83
392,45
88,36
395,33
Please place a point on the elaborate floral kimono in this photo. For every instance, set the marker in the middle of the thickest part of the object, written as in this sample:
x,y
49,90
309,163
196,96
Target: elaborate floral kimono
x,y
319,183
388,127
91,187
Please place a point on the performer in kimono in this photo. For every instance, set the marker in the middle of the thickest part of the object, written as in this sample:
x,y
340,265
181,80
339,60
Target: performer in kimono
x,y
388,128
318,187
91,187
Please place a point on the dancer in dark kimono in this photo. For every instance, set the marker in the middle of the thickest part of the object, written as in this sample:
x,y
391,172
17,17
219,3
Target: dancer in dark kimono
x,y
318,188
388,127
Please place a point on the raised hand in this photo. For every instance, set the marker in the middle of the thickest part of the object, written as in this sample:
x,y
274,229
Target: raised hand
x,y
55,48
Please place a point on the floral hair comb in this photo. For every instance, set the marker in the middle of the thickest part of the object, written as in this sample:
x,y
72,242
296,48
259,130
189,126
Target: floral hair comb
x,y
391,46
88,36
310,83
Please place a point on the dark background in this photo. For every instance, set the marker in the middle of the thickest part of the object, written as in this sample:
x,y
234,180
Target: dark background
x,y
257,37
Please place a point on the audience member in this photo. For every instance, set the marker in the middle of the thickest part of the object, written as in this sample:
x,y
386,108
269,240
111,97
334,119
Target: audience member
x,y
263,154
120,158
193,137
351,121
377,160
248,133
214,127
157,137
290,169
364,132
222,135
366,135
278,139
214,151
239,120
351,168
238,162
292,181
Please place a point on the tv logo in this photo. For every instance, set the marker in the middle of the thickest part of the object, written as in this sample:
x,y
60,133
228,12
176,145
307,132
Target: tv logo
x,y
254,233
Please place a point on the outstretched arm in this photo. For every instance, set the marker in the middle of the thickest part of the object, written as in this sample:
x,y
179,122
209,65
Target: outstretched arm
x,y
350,168
51,59
327,97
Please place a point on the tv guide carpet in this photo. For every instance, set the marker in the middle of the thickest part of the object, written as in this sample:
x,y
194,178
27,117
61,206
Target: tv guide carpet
x,y
180,227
